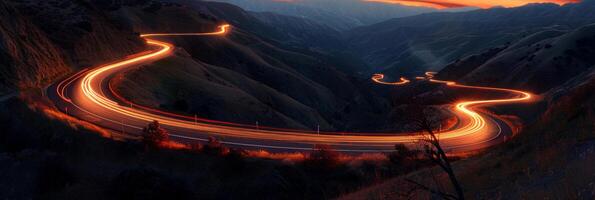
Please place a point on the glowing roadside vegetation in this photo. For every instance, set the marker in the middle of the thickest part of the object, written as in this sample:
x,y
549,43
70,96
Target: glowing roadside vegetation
x,y
472,130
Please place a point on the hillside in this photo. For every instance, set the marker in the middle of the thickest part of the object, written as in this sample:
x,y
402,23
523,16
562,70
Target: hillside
x,y
42,41
552,156
311,37
277,75
301,31
47,154
296,70
537,62
340,15
431,41
16,70
246,76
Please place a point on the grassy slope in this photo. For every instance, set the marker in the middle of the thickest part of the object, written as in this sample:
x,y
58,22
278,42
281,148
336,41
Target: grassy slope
x,y
259,78
215,93
430,41
552,158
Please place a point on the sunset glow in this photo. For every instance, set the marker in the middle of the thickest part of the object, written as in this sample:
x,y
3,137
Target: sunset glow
x,y
444,4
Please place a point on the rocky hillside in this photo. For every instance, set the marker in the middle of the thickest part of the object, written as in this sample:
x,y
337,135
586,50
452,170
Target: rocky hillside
x,y
431,41
43,40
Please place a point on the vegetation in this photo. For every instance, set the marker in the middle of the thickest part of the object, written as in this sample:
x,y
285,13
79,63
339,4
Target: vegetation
x,y
323,157
48,159
552,157
406,159
436,154
154,135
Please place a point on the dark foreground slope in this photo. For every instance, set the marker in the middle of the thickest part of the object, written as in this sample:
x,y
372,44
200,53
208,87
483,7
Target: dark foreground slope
x,y
46,158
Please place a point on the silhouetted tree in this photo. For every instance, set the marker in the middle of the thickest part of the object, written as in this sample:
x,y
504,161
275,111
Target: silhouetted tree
x,y
436,154
154,135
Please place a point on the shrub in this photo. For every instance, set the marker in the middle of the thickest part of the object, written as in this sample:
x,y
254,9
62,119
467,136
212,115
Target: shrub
x,y
323,157
214,146
154,135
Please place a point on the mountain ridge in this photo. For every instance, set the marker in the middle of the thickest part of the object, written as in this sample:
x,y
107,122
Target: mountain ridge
x,y
433,40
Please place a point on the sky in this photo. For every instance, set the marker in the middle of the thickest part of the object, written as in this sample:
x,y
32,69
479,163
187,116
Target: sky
x,y
445,4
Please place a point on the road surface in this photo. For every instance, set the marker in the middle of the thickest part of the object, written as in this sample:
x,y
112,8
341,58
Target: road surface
x,y
88,95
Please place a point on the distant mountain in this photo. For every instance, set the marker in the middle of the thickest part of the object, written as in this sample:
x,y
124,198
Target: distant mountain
x,y
299,34
338,14
431,41
538,62
300,31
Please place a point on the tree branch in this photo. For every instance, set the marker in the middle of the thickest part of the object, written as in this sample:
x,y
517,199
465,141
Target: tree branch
x,y
426,188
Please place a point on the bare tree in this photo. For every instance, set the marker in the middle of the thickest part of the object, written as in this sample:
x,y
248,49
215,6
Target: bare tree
x,y
154,135
436,154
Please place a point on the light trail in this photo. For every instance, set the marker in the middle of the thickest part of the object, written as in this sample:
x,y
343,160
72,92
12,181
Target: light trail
x,y
90,98
477,121
379,77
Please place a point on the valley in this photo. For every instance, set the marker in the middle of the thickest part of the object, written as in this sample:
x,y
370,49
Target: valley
x,y
360,100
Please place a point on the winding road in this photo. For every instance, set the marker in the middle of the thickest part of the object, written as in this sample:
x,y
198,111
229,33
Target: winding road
x,y
88,95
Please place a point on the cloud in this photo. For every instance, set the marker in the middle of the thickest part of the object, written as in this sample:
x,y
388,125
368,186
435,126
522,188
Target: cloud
x,y
444,4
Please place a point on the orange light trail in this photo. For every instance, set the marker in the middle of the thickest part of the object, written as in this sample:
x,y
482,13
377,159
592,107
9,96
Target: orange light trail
x,y
378,79
90,97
